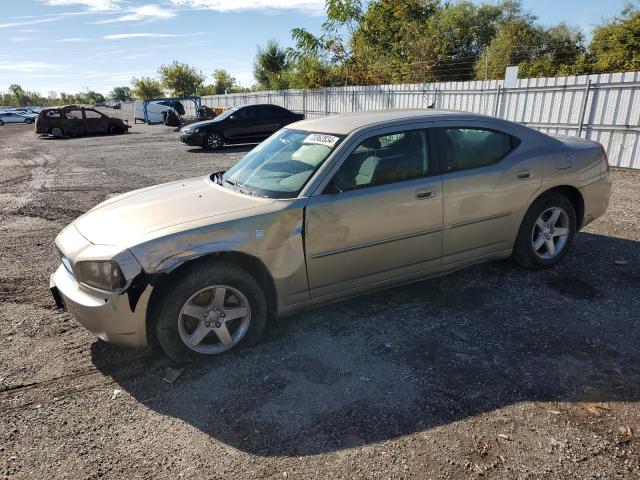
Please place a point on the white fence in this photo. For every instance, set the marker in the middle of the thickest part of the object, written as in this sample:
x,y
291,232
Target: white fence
x,y
605,107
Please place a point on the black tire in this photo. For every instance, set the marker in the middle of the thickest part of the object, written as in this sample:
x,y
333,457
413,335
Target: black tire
x,y
28,121
523,251
57,132
213,141
1,123
191,281
114,129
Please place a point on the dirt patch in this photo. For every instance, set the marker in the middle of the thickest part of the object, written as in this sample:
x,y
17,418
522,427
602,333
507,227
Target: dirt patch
x,y
491,372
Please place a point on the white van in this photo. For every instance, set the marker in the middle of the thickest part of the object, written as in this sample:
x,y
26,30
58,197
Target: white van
x,y
156,110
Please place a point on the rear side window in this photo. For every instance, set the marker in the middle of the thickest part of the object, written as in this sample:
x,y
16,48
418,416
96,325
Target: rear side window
x,y
53,114
462,148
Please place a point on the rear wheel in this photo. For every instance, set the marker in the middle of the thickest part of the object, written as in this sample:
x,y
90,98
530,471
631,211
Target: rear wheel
x,y
57,132
213,141
546,233
213,308
28,121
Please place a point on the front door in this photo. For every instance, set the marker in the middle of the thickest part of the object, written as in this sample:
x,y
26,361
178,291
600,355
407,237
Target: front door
x,y
96,122
487,184
380,217
241,125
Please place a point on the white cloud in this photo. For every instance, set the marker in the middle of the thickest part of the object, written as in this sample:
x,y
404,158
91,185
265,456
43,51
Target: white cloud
x,y
136,56
74,40
95,5
20,39
29,22
144,12
27,66
315,7
123,36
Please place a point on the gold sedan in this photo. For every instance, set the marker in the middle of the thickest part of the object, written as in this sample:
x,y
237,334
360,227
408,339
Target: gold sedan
x,y
322,210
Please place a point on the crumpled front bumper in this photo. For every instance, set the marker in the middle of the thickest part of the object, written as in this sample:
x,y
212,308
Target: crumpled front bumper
x,y
108,315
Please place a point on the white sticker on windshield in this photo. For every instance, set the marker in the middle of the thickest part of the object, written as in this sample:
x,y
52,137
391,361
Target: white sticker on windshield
x,y
321,139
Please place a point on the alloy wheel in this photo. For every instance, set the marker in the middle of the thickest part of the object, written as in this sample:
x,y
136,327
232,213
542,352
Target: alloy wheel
x,y
550,233
214,319
215,140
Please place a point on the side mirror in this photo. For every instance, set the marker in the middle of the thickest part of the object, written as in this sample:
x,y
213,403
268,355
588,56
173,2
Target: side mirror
x,y
232,117
332,188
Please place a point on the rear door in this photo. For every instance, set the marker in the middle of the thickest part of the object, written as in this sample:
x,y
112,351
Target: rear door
x,y
380,217
269,119
487,181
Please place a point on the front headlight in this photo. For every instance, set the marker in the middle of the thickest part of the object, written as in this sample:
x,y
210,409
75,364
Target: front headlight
x,y
103,275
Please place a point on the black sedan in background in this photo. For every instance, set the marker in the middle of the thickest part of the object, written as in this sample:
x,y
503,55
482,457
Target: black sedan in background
x,y
249,123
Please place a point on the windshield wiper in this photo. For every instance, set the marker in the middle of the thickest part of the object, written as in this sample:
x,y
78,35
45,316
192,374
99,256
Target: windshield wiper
x,y
241,188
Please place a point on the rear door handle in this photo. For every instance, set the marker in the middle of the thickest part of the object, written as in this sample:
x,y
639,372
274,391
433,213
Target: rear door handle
x,y
425,193
524,174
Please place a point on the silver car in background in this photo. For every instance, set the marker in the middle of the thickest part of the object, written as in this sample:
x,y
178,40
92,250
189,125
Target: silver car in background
x,y
324,210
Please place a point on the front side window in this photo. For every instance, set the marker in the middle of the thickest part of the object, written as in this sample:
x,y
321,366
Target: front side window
x,y
385,159
281,165
470,147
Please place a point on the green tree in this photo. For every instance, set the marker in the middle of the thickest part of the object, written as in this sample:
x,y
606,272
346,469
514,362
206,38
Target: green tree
x,y
181,79
615,46
146,88
223,82
271,67
121,94
20,97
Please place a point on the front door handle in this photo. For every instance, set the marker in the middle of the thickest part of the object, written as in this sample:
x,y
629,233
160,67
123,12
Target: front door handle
x,y
425,193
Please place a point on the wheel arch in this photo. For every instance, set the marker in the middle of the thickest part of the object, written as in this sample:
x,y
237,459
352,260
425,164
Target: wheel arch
x,y
572,194
252,264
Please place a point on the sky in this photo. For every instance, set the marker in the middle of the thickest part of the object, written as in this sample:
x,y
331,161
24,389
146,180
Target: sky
x,y
74,45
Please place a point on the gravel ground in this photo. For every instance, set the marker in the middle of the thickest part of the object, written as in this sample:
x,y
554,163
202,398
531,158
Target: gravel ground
x,y
493,371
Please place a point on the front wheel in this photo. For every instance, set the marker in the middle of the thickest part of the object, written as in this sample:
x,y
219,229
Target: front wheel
x,y
213,141
57,132
546,233
214,308
28,121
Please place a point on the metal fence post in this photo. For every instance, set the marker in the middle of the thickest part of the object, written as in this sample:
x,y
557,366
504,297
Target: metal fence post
x,y
497,105
304,102
583,108
353,101
389,99
326,102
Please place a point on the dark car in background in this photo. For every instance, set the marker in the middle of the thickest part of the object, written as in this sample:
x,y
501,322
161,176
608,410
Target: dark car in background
x,y
249,123
72,120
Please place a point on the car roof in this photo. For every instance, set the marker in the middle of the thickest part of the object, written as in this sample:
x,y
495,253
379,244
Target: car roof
x,y
346,123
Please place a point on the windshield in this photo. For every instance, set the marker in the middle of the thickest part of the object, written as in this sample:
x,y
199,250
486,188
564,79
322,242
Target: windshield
x,y
281,165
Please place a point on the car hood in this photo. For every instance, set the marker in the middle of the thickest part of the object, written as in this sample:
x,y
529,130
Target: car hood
x,y
202,123
124,218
